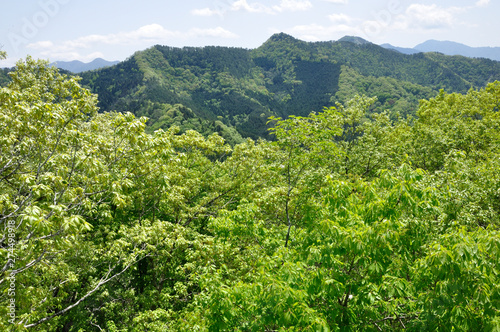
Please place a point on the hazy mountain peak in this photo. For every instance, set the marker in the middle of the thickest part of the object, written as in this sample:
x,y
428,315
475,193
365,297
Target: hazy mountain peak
x,y
433,43
77,66
354,39
450,48
282,37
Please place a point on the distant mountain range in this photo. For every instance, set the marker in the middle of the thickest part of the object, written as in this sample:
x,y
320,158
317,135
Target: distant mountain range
x,y
78,66
444,47
450,48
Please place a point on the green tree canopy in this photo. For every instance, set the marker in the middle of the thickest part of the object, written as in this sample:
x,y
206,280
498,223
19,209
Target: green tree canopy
x,y
346,221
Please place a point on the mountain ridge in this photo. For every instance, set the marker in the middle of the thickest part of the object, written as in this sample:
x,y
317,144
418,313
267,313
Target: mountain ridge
x,y
234,91
449,48
77,66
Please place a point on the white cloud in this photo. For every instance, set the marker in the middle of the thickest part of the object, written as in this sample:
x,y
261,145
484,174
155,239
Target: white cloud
x,y
43,44
150,34
340,2
204,12
215,32
254,7
428,17
482,3
316,32
416,17
340,18
293,5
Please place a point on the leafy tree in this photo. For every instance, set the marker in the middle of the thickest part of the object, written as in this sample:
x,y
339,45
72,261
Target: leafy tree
x,y
454,121
306,142
64,171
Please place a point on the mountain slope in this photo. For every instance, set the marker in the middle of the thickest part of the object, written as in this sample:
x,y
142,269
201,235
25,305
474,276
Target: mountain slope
x,y
223,88
4,77
404,50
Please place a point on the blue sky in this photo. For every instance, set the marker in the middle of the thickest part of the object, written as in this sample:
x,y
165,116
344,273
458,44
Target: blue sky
x,y
114,30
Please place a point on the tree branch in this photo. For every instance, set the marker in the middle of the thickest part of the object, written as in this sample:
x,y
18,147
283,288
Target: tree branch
x,y
104,280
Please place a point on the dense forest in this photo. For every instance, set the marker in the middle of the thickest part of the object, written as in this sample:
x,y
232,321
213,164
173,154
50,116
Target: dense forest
x,y
349,218
233,91
4,77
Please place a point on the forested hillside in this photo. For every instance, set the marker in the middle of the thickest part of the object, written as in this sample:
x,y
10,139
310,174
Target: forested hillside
x,y
349,220
4,78
223,89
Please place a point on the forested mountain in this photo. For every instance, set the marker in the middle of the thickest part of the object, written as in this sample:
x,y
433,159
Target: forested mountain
x,y
222,88
4,77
